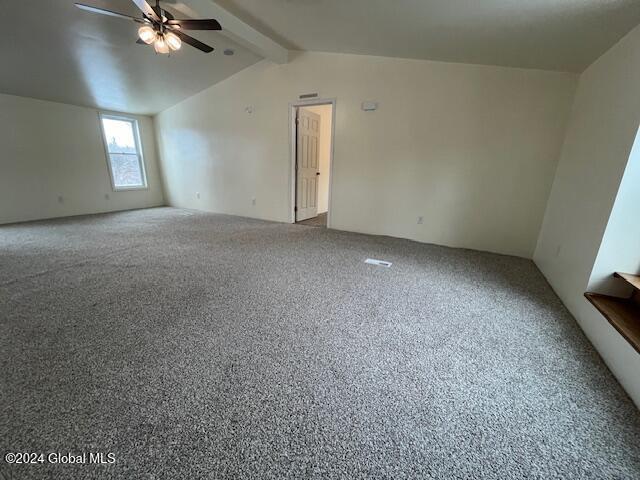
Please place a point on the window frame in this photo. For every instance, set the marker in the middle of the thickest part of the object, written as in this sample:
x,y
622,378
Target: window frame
x,y
138,144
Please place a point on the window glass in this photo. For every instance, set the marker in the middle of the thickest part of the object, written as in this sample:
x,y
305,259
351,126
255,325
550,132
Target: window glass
x,y
123,150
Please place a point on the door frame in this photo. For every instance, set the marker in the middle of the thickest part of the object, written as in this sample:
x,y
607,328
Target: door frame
x,y
292,151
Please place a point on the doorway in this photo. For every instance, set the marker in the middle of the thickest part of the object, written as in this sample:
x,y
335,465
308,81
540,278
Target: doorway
x,y
312,161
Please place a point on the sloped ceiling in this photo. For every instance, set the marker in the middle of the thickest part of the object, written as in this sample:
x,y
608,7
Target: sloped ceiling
x,y
564,35
54,51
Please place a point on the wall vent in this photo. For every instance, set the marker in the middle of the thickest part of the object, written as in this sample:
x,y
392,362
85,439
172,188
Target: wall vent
x,y
304,96
380,263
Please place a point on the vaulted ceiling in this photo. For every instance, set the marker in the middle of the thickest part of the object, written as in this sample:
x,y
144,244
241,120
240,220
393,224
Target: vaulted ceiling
x,y
54,51
565,35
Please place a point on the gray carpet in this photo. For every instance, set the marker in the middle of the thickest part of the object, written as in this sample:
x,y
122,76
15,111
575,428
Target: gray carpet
x,y
318,221
193,345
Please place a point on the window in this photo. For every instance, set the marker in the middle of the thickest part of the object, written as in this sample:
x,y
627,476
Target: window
x,y
122,144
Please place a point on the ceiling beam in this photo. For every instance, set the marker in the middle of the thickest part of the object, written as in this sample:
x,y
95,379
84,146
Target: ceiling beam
x,y
235,29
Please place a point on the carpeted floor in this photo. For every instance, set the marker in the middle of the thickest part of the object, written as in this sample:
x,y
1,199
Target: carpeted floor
x,y
319,221
193,345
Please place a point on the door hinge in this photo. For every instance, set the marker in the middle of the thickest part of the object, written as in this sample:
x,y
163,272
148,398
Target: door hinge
x,y
295,209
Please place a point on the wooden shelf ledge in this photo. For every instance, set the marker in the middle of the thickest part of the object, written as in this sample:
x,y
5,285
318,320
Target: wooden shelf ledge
x,y
622,313
633,280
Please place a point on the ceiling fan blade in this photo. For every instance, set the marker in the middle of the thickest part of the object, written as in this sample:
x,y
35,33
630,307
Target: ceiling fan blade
x,y
193,42
210,24
103,11
147,10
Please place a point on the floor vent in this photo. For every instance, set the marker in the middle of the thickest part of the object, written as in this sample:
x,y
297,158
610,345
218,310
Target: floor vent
x,y
380,263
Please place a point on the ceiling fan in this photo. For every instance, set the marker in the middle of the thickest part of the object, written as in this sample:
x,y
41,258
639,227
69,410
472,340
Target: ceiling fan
x,y
160,28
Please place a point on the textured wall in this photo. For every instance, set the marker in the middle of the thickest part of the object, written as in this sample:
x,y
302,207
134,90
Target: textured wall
x,y
53,149
472,149
598,146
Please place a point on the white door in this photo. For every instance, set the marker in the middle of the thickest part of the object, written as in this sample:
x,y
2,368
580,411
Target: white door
x,y
307,164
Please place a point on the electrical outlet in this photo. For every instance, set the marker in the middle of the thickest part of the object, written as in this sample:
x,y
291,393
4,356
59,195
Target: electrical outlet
x,y
60,199
253,201
420,220
558,250
106,196
198,195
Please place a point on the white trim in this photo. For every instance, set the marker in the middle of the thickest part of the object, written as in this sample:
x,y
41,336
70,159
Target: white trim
x,y
292,151
139,150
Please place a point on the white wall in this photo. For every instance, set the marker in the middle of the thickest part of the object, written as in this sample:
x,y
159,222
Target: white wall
x,y
324,152
602,129
620,246
470,148
53,149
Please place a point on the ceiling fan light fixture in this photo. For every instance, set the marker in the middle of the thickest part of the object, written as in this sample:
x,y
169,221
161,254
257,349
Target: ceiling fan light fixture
x,y
161,45
147,34
173,41
157,27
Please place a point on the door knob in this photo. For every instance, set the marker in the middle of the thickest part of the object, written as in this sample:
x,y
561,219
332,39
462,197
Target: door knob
x,y
317,173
